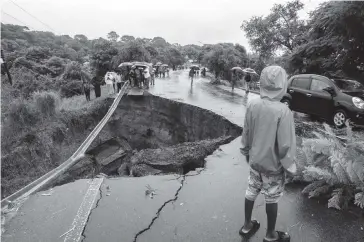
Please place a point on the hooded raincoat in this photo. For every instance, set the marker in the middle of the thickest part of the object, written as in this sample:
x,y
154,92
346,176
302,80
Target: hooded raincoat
x,y
269,134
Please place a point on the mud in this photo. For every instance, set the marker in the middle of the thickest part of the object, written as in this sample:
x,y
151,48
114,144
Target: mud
x,y
150,135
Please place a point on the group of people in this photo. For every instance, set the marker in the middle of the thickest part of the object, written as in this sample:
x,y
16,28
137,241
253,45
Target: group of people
x,y
113,82
141,77
196,72
161,71
87,85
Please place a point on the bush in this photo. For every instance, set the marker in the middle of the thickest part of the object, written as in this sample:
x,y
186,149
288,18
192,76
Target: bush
x,y
333,164
56,64
71,88
22,114
28,82
46,102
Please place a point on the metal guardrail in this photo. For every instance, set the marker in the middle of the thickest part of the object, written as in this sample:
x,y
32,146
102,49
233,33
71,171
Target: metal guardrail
x,y
52,175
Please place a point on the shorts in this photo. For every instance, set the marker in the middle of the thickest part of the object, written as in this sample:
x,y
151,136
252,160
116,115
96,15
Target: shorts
x,y
271,186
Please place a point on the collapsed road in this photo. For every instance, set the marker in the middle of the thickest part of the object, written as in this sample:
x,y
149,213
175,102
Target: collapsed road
x,y
201,204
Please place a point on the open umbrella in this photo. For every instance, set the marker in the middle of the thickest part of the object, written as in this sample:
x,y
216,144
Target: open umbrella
x,y
164,65
158,64
249,70
125,64
195,67
237,68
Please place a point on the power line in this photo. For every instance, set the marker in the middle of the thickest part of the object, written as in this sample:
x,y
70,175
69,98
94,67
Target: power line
x,y
15,18
32,16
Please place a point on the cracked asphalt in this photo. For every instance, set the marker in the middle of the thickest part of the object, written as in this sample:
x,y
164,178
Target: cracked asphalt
x,y
203,205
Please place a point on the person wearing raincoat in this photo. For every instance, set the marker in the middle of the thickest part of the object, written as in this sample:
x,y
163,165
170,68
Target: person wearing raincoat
x,y
109,80
269,145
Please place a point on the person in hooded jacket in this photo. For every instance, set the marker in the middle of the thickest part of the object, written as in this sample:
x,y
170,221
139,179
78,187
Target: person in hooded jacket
x,y
269,145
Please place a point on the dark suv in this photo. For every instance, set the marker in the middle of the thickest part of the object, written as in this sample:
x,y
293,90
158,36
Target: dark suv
x,y
335,100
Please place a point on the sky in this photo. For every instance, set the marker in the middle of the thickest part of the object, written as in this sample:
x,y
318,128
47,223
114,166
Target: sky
x,y
183,21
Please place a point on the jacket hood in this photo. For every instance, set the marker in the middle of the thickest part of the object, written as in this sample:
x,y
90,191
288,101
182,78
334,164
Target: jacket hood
x,y
273,83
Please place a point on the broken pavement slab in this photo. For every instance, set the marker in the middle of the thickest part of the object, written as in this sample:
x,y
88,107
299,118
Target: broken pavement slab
x,y
125,209
46,215
210,207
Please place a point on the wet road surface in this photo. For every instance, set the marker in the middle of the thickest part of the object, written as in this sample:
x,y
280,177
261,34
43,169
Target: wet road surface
x,y
204,205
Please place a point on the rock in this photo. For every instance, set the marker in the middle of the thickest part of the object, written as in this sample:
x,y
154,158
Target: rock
x,y
180,158
124,170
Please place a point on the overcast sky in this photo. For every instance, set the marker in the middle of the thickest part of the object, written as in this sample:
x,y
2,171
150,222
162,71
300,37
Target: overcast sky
x,y
183,21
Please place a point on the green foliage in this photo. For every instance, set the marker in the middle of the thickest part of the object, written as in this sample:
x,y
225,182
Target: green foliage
x,y
101,55
56,64
46,102
37,54
134,51
333,46
280,30
22,114
222,57
112,36
331,163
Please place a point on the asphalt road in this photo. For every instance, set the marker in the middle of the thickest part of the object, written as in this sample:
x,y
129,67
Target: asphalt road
x,y
204,205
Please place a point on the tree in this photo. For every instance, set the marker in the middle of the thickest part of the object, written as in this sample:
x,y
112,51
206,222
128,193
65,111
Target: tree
x,y
134,51
280,30
174,57
159,42
127,38
112,36
81,38
221,58
37,53
56,64
334,45
101,56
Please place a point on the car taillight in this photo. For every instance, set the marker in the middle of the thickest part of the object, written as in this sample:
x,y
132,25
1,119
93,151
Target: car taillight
x,y
358,102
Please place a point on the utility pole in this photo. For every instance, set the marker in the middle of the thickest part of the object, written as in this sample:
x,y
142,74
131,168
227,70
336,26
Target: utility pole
x,y
5,67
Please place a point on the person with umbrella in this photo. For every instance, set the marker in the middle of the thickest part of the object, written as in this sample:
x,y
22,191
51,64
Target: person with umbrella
x,y
248,78
191,74
235,76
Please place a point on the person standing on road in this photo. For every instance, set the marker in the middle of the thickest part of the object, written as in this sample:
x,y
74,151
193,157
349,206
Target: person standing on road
x,y
132,76
269,145
234,78
248,78
203,72
191,74
152,76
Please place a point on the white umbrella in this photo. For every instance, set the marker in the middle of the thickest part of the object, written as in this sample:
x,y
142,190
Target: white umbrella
x,y
249,70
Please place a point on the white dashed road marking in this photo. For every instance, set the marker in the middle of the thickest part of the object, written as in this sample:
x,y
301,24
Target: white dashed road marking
x,y
84,210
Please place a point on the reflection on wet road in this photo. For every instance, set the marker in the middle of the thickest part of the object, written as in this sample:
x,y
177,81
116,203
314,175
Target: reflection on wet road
x,y
202,94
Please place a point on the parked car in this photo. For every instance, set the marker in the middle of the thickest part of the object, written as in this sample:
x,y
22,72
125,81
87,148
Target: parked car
x,y
335,100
